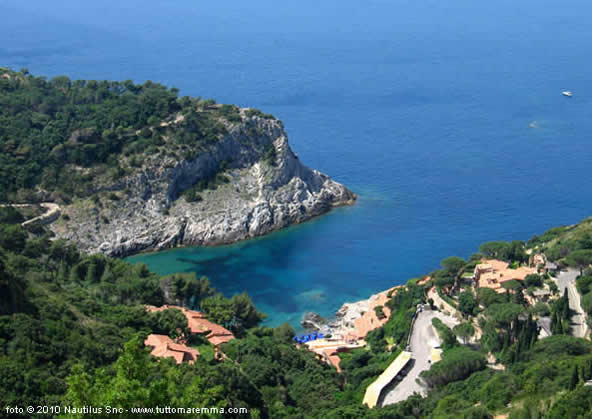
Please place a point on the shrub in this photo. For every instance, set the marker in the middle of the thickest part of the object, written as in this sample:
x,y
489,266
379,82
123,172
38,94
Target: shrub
x,y
488,297
466,302
456,364
533,280
270,155
146,132
9,215
379,312
256,112
192,196
584,284
541,309
447,336
230,112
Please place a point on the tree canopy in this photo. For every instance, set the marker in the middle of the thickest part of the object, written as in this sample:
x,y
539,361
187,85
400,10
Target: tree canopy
x,y
63,136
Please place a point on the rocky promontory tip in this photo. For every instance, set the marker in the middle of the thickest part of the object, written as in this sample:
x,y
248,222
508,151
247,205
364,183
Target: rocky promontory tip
x,y
246,184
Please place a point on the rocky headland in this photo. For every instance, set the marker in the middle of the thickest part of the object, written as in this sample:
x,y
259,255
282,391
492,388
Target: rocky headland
x,y
264,188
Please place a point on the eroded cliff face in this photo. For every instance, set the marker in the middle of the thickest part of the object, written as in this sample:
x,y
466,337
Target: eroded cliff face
x,y
146,210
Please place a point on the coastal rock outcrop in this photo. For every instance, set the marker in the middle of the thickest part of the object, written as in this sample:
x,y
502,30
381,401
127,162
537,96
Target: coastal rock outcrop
x,y
313,321
263,187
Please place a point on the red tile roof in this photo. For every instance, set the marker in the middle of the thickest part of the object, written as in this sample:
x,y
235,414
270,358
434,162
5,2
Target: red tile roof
x,y
164,347
197,323
492,273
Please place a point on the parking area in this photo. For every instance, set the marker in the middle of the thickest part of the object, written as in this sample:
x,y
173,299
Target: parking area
x,y
423,339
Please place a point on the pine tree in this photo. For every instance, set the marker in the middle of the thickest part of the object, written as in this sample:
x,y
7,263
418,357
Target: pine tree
x,y
62,272
91,273
565,313
519,298
555,324
575,378
506,341
587,373
108,276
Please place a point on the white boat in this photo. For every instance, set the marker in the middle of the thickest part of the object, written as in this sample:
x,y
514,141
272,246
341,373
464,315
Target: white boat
x,y
567,93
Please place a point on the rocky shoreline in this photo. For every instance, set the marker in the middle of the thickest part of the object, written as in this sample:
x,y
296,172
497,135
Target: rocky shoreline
x,y
266,188
343,323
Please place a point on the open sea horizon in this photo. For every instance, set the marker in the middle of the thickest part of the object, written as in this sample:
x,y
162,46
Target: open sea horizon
x,y
446,119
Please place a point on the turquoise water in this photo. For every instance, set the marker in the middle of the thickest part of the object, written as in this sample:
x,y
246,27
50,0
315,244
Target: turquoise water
x,y
421,107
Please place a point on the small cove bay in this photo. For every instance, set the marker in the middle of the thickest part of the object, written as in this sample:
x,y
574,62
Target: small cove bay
x,y
447,121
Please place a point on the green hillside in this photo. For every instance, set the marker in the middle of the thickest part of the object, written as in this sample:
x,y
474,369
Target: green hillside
x,y
63,135
71,331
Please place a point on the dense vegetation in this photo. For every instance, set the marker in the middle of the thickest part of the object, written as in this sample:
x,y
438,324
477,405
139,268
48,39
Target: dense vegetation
x,y
567,245
64,136
72,325
571,246
60,308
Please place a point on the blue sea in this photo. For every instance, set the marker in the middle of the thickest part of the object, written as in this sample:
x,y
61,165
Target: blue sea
x,y
423,108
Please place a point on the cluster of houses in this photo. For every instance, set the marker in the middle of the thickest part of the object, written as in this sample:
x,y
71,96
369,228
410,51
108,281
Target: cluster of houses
x,y
492,274
163,346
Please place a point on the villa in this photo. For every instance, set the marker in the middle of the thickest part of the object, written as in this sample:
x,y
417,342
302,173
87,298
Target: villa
x,y
493,273
164,347
198,324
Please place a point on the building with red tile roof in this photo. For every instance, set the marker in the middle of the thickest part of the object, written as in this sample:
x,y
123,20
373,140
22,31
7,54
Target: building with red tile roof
x,y
164,347
493,273
197,323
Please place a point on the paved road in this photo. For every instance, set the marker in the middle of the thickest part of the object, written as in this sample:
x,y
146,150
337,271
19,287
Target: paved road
x,y
423,339
567,279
